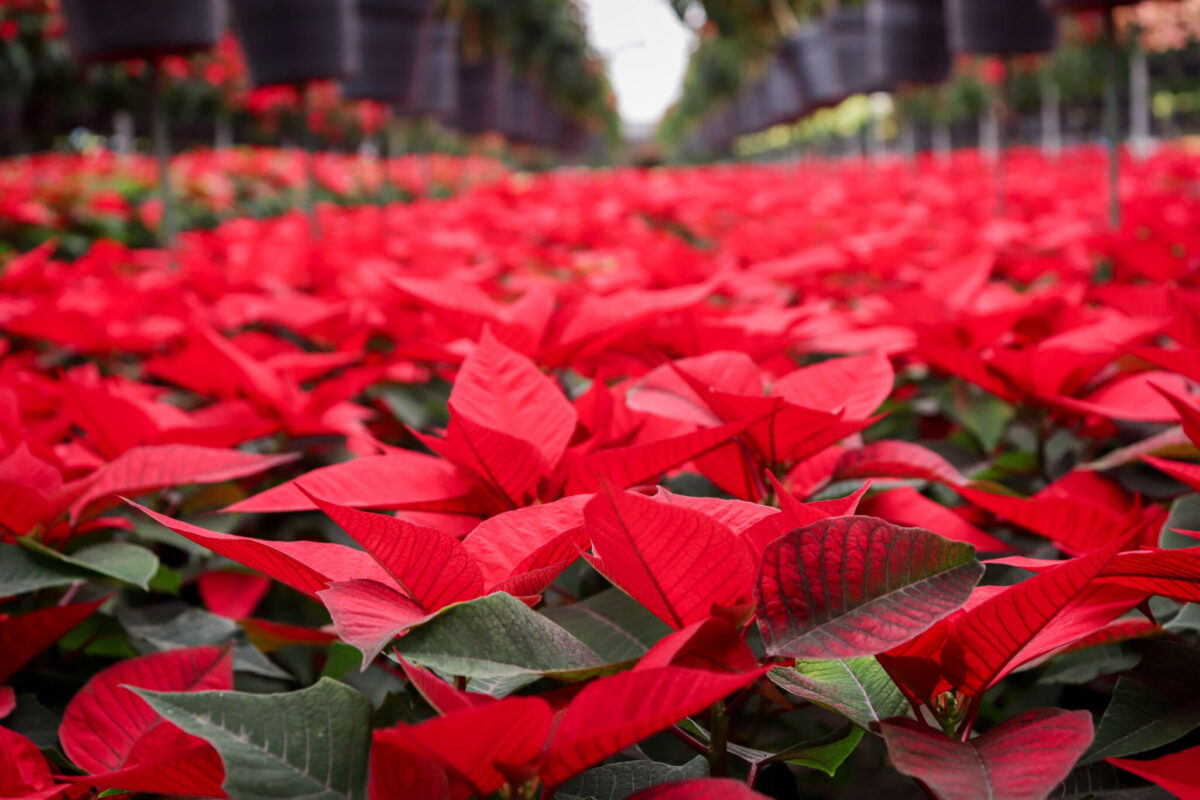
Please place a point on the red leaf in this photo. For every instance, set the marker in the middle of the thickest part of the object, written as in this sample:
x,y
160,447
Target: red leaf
x,y
23,637
1189,412
8,701
106,727
896,459
856,386
699,789
1023,758
907,506
231,593
509,465
612,713
502,391
676,562
711,644
432,567
1175,772
991,635
24,772
1185,361
270,636
444,698
169,763
857,586
399,773
146,469
1075,526
526,539
368,614
1170,573
402,479
307,567
472,743
623,467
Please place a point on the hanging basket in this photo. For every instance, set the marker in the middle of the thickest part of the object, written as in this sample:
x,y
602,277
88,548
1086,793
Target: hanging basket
x,y
1000,27
812,55
906,41
435,87
388,40
297,41
1073,6
115,30
783,95
848,27
481,96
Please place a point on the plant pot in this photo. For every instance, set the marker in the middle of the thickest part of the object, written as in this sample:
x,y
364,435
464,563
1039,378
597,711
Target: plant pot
x,y
388,42
1073,6
296,41
906,41
783,94
435,87
519,122
1000,27
812,55
481,96
849,29
115,30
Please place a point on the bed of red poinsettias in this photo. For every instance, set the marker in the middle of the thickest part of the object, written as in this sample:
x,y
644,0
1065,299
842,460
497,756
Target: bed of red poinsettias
x,y
615,484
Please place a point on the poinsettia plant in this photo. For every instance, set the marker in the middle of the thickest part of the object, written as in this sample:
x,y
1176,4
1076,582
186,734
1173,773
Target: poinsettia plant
x,y
680,484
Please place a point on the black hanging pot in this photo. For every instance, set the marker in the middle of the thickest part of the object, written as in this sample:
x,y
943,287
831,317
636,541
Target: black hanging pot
x,y
519,119
296,41
906,41
435,90
783,95
114,30
1000,27
1072,6
481,95
812,55
388,39
849,28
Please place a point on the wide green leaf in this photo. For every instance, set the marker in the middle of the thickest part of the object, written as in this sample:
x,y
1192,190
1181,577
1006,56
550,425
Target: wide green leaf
x,y
497,636
620,780
22,571
310,744
612,623
121,561
826,754
1153,705
858,688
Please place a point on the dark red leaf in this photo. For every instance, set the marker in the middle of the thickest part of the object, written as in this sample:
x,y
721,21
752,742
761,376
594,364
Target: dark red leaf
x,y
232,593
1023,758
857,586
23,637
1175,772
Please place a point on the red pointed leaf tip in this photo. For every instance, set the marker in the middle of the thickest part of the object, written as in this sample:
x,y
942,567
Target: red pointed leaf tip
x,y
1023,758
700,789
857,586
677,562
1175,772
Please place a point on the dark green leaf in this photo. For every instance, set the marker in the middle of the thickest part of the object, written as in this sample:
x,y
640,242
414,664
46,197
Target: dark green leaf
x,y
618,781
497,636
310,744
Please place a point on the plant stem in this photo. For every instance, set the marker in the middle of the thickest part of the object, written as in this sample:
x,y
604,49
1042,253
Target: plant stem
x,y
689,740
718,756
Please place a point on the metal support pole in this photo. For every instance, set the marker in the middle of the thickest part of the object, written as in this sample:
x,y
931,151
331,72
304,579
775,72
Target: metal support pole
x,y
162,153
1051,115
1112,123
1139,99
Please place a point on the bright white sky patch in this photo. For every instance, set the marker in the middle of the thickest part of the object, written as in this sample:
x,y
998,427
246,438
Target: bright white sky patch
x,y
646,48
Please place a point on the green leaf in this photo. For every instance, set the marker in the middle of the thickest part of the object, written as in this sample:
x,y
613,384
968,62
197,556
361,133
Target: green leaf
x,y
1085,666
114,793
497,636
612,623
23,571
1185,515
122,561
825,754
310,744
1155,704
984,415
620,780
858,688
